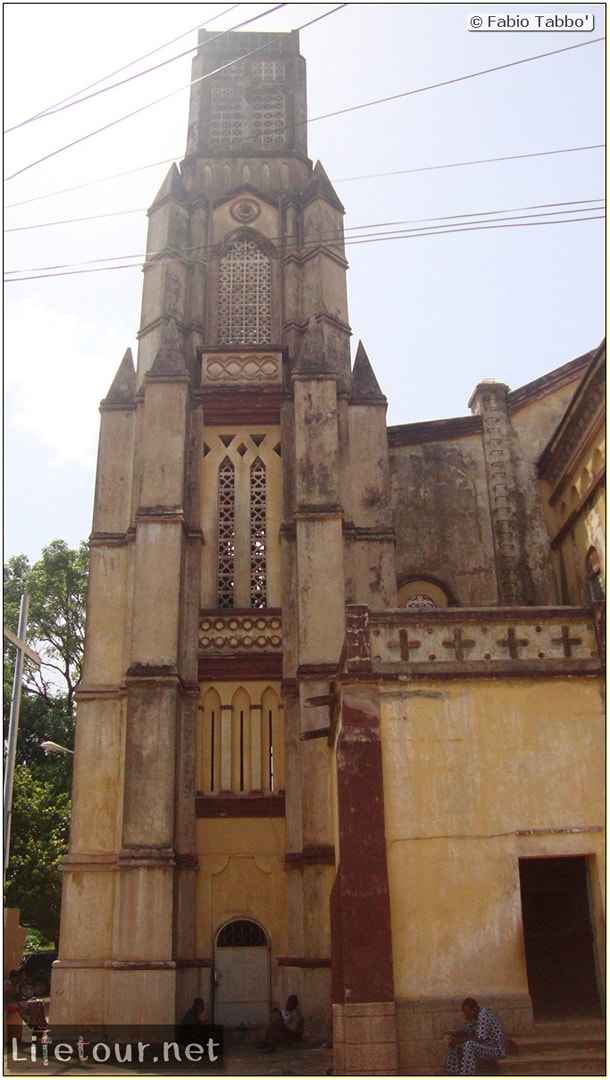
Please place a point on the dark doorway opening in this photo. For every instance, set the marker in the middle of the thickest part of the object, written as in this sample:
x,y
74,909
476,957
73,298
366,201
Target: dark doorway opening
x,y
559,937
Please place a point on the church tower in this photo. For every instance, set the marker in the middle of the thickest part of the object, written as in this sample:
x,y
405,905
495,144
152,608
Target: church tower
x,y
230,530
340,724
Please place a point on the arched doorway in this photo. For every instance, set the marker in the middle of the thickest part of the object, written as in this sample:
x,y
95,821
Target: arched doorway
x,y
242,977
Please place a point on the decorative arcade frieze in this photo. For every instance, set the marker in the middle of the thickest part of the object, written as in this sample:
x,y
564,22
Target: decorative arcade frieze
x,y
474,641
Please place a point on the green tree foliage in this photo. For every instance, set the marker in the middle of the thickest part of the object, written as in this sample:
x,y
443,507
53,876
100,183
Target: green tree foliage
x,y
39,838
56,586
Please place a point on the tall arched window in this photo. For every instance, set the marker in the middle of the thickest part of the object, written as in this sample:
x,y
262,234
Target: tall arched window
x,y
240,744
244,302
258,534
226,534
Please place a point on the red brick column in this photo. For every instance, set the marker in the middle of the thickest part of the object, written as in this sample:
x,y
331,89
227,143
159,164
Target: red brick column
x,y
364,1017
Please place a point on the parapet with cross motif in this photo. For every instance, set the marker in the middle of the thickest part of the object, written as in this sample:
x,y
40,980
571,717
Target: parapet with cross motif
x,y
473,641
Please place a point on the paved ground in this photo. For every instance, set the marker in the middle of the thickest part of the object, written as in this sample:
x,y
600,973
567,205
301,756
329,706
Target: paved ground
x,y
241,1059
244,1060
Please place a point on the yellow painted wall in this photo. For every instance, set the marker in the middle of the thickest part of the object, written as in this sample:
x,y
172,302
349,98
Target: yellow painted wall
x,y
241,876
478,774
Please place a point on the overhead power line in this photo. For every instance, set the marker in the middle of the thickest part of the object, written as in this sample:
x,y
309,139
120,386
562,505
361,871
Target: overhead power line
x,y
477,161
77,99
203,251
325,116
457,223
165,97
141,210
342,180
458,79
413,235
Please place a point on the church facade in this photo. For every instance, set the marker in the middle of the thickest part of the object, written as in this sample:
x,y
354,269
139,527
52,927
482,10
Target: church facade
x,y
340,725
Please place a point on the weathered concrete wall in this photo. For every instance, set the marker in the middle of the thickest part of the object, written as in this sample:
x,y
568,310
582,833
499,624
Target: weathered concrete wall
x,y
441,517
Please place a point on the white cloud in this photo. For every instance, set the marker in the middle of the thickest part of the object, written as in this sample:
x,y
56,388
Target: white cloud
x,y
57,368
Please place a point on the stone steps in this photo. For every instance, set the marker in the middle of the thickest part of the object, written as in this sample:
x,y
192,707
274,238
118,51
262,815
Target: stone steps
x,y
555,1048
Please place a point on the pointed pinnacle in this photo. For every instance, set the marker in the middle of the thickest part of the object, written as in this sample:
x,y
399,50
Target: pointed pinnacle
x,y
364,381
123,387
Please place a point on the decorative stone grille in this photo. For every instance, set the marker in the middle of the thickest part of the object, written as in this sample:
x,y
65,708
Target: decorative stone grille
x,y
225,634
269,71
258,534
244,309
420,601
226,534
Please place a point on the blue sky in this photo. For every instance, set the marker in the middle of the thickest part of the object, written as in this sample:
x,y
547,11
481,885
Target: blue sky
x,y
436,313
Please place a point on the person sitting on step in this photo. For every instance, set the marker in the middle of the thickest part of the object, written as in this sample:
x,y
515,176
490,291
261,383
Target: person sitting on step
x,y
481,1039
285,1027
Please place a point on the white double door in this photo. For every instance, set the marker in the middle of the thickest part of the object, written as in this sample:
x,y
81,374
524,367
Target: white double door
x,y
242,981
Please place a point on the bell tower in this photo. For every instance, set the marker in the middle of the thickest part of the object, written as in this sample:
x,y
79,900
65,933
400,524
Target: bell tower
x,y
222,556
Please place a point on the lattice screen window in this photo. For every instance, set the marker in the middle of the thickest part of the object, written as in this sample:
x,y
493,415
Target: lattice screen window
x,y
228,115
244,309
226,534
269,71
249,107
235,72
258,534
268,116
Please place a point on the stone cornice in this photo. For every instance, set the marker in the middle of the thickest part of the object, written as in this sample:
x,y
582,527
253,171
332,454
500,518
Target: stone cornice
x,y
313,511
580,416
100,692
104,539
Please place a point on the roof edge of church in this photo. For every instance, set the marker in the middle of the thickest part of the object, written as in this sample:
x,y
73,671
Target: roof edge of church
x,y
553,380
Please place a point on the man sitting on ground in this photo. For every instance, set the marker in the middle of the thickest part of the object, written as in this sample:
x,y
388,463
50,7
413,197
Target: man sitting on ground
x,y
480,1039
189,1028
285,1027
